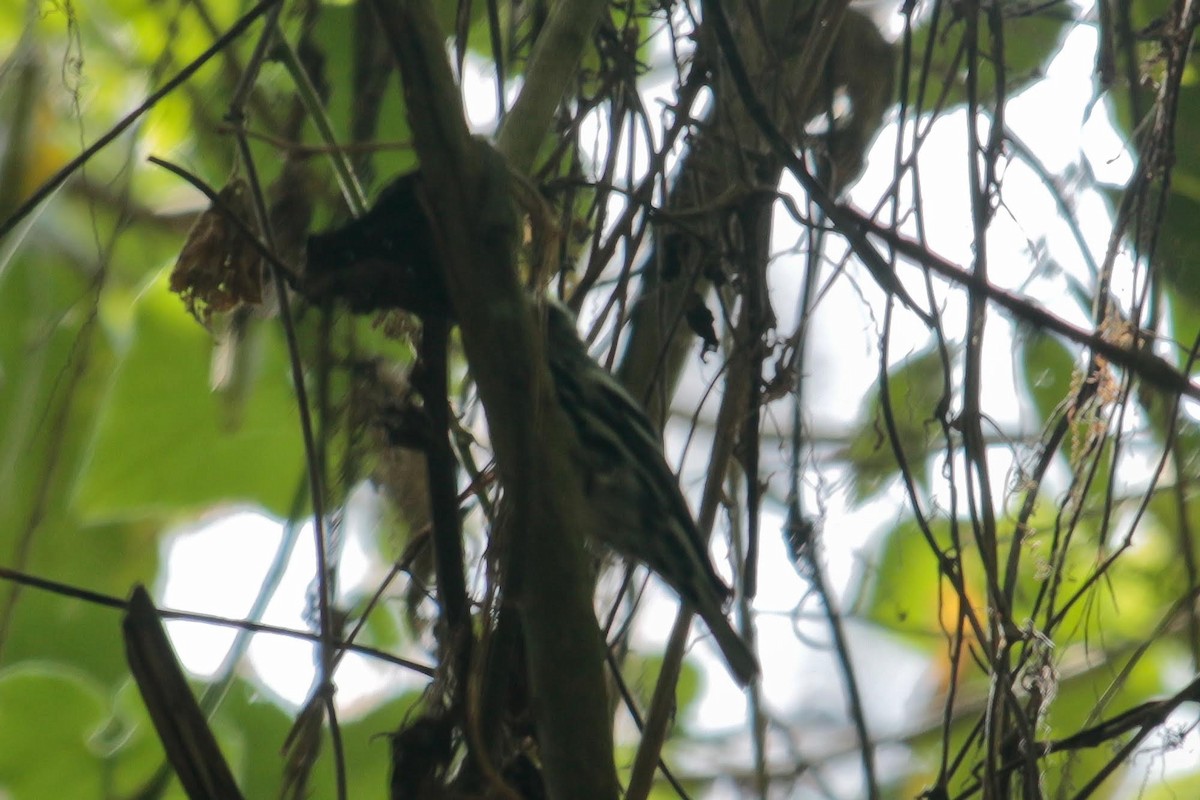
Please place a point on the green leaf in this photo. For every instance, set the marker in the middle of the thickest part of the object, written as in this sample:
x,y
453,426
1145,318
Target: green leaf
x,y
46,369
383,628
50,716
107,559
139,756
646,667
1172,786
1030,41
263,728
903,592
1178,242
1075,706
1049,371
335,36
161,445
50,379
915,389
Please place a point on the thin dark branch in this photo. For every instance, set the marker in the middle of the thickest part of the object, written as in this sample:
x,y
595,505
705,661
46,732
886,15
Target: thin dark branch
x,y
841,647
109,601
443,497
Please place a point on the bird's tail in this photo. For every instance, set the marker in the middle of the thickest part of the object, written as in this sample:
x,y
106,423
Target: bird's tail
x,y
742,662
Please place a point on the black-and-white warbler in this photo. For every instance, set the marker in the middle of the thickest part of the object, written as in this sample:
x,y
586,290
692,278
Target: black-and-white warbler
x,y
637,508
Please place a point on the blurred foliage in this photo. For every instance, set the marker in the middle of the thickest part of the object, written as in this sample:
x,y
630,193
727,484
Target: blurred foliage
x,y
161,403
111,436
1049,374
1026,42
915,389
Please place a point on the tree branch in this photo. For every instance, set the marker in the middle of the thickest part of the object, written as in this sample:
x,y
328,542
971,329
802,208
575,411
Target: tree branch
x,y
552,65
465,188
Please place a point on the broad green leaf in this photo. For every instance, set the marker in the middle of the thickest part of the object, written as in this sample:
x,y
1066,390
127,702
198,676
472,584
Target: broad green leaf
x,y
368,748
51,380
1185,322
335,35
1049,371
383,628
137,756
1174,252
1187,455
50,715
1185,175
1138,70
1077,705
1172,785
643,669
1175,263
905,592
1073,695
107,559
162,446
914,389
1177,235
1030,41
263,728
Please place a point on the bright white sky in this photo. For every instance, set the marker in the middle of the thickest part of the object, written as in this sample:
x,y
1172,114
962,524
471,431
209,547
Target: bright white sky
x,y
1052,118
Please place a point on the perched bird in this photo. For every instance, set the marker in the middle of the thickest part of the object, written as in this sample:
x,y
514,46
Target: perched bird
x,y
637,508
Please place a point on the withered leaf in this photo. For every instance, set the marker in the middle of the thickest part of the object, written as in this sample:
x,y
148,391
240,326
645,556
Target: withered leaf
x,y
219,268
701,321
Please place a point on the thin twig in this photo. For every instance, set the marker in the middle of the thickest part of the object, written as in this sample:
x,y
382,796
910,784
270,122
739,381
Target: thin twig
x,y
327,649
109,601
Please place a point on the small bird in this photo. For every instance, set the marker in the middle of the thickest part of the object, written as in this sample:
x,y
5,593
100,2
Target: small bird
x,y
637,507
